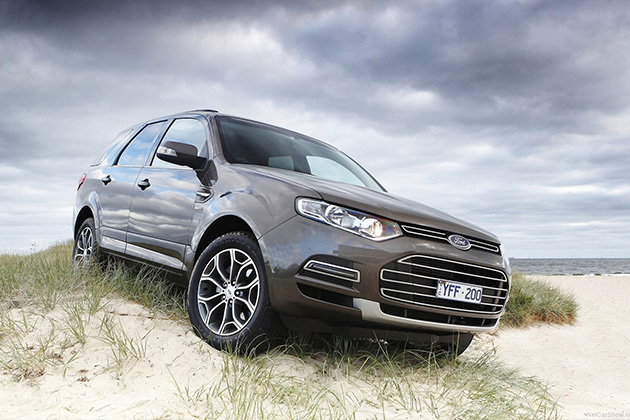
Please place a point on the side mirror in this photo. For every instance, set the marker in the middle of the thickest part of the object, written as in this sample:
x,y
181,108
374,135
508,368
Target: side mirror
x,y
181,154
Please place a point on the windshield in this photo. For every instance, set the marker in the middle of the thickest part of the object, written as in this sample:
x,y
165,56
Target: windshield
x,y
259,144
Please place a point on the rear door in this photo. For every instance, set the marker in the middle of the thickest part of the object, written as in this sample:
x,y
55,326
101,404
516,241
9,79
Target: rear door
x,y
118,183
164,200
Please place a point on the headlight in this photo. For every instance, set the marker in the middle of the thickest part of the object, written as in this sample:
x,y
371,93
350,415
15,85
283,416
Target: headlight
x,y
362,224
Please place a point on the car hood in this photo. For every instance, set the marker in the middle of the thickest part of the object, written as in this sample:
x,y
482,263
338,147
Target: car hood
x,y
380,203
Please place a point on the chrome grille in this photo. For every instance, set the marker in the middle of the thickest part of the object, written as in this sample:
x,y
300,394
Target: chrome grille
x,y
413,280
431,233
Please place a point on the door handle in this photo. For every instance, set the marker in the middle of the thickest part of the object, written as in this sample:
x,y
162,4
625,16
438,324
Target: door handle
x,y
106,179
144,184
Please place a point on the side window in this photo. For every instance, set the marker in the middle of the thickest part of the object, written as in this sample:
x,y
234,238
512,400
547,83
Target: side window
x,y
184,130
138,150
329,169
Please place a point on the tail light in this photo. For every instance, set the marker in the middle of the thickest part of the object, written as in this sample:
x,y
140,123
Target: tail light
x,y
81,181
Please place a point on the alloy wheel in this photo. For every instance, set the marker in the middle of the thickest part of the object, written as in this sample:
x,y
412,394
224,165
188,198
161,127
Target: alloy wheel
x,y
84,247
228,292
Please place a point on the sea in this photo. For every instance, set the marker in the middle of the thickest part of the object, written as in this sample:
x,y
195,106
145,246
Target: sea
x,y
572,266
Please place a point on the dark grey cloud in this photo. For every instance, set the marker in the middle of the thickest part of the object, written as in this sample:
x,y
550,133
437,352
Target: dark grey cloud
x,y
512,114
496,63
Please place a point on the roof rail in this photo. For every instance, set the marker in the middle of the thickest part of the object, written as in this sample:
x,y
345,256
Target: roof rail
x,y
203,110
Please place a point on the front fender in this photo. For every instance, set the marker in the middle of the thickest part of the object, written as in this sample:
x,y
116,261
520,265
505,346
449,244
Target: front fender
x,y
261,201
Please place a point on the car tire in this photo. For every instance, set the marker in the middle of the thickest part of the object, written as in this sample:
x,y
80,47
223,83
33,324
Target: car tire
x,y
228,296
86,250
460,342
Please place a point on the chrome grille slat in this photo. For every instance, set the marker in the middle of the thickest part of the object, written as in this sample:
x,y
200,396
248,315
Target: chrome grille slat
x,y
435,306
424,232
449,271
413,280
384,270
470,311
493,297
406,283
419,294
433,233
494,270
484,246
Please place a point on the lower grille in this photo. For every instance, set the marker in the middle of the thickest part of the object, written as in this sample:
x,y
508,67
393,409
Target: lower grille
x,y
413,280
325,295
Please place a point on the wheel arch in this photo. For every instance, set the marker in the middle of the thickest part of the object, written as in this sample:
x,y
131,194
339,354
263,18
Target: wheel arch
x,y
221,226
84,214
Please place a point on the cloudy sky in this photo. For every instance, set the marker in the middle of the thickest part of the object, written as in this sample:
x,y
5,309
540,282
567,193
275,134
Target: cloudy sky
x,y
514,115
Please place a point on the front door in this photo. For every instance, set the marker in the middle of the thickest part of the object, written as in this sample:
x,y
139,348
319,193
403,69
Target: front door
x,y
164,200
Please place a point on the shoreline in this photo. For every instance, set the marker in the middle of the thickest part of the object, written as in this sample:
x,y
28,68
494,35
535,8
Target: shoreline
x,y
599,267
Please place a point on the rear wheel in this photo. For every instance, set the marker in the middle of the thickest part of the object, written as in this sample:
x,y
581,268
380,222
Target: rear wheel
x,y
85,249
228,297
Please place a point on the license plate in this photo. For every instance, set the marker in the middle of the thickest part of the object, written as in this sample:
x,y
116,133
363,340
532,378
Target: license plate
x,y
458,291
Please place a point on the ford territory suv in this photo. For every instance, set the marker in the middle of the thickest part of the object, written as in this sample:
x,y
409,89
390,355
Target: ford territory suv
x,y
270,229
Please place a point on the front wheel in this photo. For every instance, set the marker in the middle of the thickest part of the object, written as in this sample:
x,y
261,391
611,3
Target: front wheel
x,y
228,297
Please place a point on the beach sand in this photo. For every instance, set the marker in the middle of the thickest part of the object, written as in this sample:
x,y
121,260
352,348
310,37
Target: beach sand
x,y
585,365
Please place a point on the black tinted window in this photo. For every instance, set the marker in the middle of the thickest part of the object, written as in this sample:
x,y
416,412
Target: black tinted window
x,y
259,144
188,131
138,150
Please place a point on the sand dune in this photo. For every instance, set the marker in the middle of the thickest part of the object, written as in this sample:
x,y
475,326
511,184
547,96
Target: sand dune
x,y
586,365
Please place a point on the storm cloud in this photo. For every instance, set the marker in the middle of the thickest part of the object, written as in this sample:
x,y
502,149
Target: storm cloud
x,y
514,115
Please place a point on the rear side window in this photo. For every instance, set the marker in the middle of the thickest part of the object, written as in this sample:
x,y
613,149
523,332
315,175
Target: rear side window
x,y
109,153
188,131
136,153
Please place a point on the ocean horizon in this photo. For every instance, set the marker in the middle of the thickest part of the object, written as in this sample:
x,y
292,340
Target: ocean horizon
x,y
572,266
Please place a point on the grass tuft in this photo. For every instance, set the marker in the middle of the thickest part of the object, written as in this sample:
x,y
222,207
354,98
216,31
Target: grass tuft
x,y
123,346
534,302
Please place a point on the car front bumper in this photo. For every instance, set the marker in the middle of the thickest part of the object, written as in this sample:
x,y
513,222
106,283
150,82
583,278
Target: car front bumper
x,y
380,288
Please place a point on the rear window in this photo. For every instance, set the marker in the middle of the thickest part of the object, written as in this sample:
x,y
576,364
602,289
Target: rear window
x,y
137,152
108,155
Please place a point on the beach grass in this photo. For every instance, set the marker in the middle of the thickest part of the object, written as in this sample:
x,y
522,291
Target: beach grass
x,y
534,302
49,310
324,377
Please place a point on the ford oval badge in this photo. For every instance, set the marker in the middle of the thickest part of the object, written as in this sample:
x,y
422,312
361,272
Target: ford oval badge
x,y
459,242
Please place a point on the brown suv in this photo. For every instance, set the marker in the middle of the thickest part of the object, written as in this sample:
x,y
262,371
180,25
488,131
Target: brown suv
x,y
270,229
